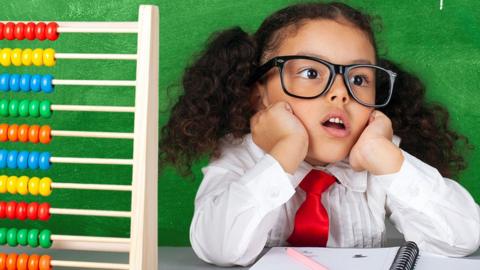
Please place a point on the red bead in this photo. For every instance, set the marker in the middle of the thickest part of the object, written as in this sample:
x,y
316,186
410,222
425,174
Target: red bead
x,y
11,211
3,209
52,33
19,31
9,31
2,26
32,211
30,31
40,31
22,210
44,211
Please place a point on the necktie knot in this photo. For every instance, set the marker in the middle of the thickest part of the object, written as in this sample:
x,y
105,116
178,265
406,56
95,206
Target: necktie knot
x,y
316,182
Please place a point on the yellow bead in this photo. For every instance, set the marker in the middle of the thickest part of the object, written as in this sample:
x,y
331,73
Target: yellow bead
x,y
45,188
49,57
3,183
37,57
5,57
22,185
27,57
12,184
33,185
17,57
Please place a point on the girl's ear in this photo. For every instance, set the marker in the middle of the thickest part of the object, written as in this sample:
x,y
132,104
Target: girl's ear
x,y
259,97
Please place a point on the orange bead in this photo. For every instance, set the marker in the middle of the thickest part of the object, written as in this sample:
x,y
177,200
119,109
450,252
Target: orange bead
x,y
23,133
22,262
3,135
44,263
13,133
11,261
44,136
3,261
33,133
33,262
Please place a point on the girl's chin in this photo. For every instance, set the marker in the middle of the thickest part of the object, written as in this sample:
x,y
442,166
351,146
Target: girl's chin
x,y
323,160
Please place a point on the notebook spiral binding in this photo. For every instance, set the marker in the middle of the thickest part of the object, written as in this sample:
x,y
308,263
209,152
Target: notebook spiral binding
x,y
406,257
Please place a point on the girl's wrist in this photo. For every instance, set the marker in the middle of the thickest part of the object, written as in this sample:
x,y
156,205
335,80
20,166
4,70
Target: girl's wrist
x,y
381,157
290,152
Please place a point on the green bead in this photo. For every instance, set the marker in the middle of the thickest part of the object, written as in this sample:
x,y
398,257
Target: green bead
x,y
23,108
33,237
34,108
45,241
12,237
4,107
13,108
45,110
22,237
3,236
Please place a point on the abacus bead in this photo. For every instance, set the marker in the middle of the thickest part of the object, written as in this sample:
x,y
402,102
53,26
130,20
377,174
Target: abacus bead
x,y
44,136
3,261
34,108
11,210
13,133
12,237
2,26
11,263
12,159
46,84
33,262
25,82
22,237
22,160
33,134
33,237
35,83
3,132
3,158
13,108
3,236
33,185
19,31
23,107
49,57
44,161
3,183
16,57
30,31
12,184
40,31
5,82
22,133
21,213
44,211
15,82
32,211
9,31
44,263
45,241
27,57
37,57
5,57
52,33
3,209
45,188
22,262
33,158
22,185
45,110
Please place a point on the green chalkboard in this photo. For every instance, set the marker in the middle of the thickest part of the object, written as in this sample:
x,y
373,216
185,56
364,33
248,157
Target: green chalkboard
x,y
441,46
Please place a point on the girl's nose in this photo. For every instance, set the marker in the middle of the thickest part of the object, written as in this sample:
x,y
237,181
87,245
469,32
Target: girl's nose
x,y
338,93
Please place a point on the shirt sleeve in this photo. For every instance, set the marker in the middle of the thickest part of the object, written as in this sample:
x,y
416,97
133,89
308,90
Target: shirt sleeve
x,y
236,209
435,212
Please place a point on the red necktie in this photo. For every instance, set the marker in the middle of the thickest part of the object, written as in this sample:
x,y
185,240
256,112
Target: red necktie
x,y
311,219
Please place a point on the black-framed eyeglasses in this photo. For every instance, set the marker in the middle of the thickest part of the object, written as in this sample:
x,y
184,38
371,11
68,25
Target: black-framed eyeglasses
x,y
309,77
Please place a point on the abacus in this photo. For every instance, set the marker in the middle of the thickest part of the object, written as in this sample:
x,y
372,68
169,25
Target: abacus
x,y
142,243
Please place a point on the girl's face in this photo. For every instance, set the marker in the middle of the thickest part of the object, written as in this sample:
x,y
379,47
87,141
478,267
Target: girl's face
x,y
339,44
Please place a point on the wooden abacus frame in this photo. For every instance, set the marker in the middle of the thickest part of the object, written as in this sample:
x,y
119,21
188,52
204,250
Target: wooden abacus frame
x,y
142,244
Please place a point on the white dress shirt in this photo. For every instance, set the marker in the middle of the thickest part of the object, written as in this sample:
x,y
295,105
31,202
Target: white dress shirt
x,y
246,201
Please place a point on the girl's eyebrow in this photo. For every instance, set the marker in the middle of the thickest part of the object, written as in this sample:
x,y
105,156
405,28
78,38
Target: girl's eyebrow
x,y
356,61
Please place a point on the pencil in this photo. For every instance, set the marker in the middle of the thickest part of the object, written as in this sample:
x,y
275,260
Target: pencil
x,y
313,265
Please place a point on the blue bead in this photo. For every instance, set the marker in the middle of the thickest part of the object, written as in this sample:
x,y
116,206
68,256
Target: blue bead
x,y
12,159
33,160
46,84
35,82
4,82
15,82
22,160
3,158
25,82
44,161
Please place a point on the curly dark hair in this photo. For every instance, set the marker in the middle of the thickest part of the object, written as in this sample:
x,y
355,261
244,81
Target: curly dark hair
x,y
218,100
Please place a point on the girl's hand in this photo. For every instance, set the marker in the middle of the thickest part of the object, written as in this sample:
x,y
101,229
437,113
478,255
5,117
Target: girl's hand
x,y
277,131
374,150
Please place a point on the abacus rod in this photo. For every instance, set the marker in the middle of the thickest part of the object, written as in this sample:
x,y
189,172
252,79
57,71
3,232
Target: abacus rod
x,y
91,134
103,56
117,240
83,212
108,161
91,265
89,108
91,186
94,82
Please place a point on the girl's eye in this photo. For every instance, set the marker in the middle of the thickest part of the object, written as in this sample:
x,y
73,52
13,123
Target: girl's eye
x,y
309,73
359,80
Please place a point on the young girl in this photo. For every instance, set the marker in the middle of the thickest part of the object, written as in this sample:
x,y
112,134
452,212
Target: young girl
x,y
298,120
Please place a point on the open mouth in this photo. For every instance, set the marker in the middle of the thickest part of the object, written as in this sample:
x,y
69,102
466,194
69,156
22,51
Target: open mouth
x,y
334,122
